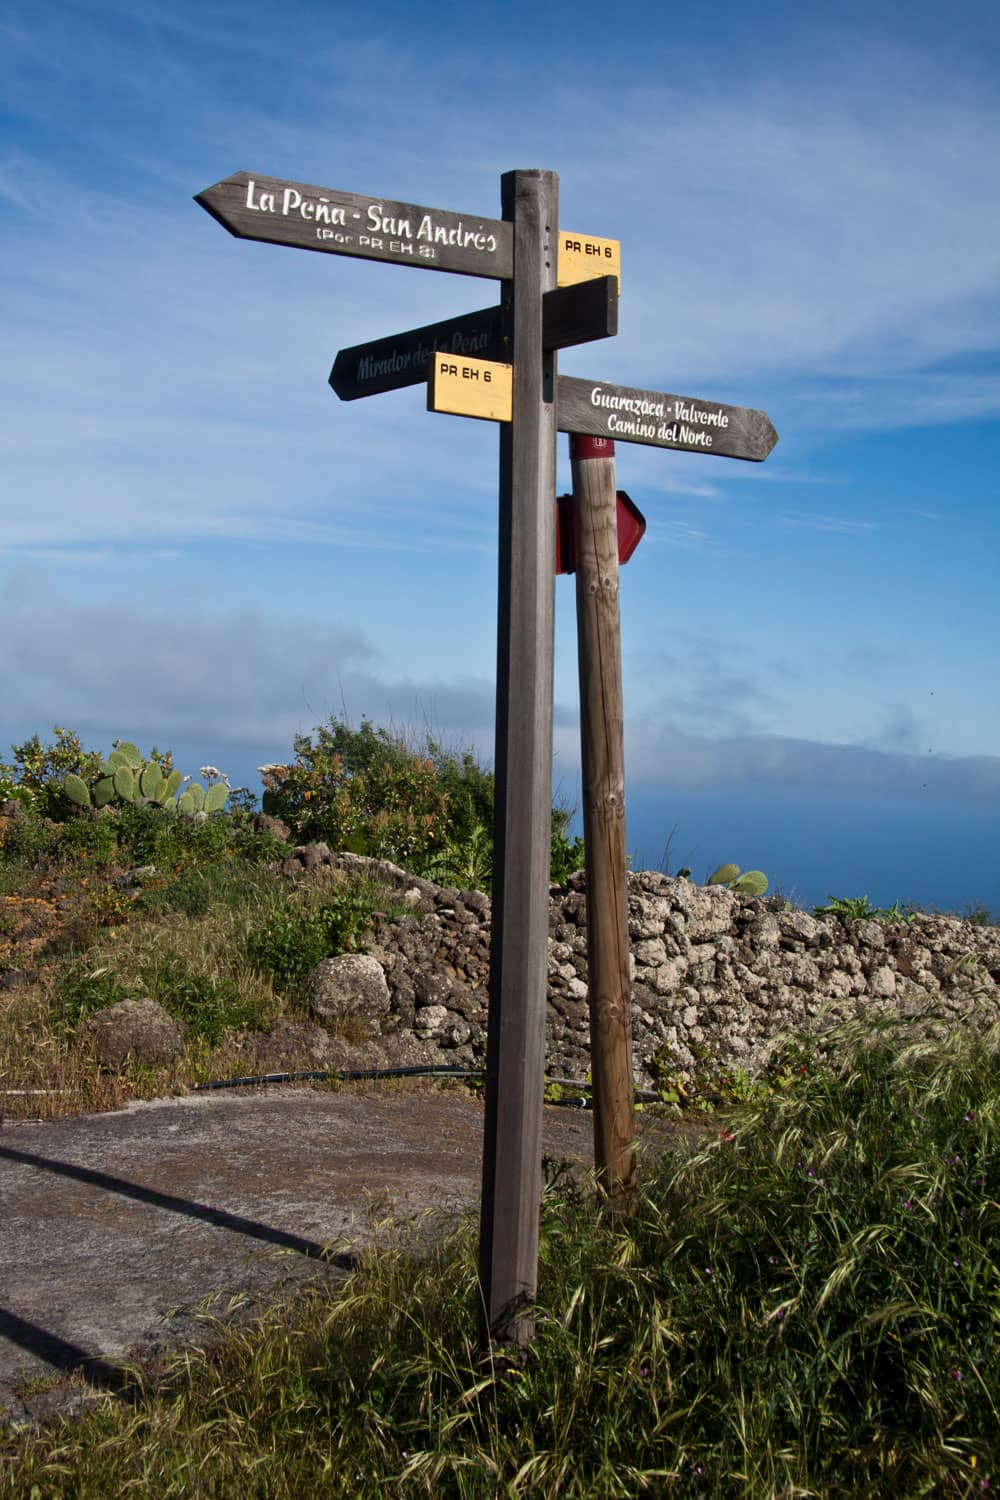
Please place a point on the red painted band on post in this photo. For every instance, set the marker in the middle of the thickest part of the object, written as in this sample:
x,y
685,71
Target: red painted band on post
x,y
590,447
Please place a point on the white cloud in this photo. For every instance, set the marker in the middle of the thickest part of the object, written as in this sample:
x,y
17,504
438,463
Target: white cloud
x,y
661,756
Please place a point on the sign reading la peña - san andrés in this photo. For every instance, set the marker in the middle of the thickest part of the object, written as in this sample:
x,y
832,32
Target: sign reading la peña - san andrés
x,y
372,228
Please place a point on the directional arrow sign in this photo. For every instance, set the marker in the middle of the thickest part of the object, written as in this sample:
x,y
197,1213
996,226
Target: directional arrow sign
x,y
628,415
570,315
470,387
315,218
621,412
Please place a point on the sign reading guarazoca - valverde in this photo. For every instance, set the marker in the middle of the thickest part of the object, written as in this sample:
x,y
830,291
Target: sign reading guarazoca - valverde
x,y
597,409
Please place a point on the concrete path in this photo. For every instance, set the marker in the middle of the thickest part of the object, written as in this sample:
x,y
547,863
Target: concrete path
x,y
116,1228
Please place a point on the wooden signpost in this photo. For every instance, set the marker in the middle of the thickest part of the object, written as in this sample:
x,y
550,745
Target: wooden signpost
x,y
602,758
499,364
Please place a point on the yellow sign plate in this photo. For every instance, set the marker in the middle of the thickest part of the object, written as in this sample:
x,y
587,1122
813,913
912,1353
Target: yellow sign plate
x,y
470,387
582,257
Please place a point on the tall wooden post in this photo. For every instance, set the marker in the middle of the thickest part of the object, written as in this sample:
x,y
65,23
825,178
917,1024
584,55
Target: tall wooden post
x,y
603,756
515,1051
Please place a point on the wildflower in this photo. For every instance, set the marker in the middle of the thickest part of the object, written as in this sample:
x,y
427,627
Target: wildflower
x,y
955,1261
708,1270
210,772
907,1204
956,1375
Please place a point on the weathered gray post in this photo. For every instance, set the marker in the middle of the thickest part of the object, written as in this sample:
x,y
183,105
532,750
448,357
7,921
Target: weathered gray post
x,y
515,1055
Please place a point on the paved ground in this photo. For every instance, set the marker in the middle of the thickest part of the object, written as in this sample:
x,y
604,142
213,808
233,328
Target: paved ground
x,y
115,1228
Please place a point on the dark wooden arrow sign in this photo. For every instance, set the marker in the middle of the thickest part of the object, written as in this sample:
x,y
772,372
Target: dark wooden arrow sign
x,y
570,315
629,415
315,218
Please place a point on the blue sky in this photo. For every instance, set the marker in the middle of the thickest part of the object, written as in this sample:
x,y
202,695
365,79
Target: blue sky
x,y
201,547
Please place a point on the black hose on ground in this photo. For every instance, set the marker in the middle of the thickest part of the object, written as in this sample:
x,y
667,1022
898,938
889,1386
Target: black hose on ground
x,y
359,1075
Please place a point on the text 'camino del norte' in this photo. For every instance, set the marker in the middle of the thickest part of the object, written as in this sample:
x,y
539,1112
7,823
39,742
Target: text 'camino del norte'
x,y
669,425
330,217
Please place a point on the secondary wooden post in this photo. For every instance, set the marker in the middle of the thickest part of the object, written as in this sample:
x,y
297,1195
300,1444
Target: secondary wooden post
x,y
515,1050
598,618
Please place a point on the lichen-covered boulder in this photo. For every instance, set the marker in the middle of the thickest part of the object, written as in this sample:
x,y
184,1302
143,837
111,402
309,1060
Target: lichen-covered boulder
x,y
133,1030
351,985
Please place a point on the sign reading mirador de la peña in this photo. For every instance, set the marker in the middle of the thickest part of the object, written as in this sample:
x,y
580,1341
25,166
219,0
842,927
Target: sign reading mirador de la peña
x,y
575,314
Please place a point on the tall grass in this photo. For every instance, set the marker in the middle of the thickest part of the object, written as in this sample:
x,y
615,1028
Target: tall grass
x,y
810,1305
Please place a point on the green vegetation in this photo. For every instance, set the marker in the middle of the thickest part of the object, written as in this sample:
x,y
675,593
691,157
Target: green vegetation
x,y
859,908
430,809
108,892
805,1303
808,1304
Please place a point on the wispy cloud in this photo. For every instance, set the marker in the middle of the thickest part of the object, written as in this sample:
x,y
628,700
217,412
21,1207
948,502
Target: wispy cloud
x,y
825,523
662,756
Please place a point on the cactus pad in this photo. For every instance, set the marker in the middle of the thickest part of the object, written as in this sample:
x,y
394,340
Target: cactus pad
x,y
215,797
185,802
124,783
724,875
104,791
76,790
751,883
151,781
173,782
129,753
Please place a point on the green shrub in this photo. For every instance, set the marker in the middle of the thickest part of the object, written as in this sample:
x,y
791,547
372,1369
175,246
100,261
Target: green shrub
x,y
427,808
84,989
207,1004
95,841
363,790
859,909
300,934
39,769
28,842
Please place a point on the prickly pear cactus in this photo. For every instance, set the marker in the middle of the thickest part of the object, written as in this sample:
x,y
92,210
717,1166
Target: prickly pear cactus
x,y
125,776
104,791
215,797
750,883
76,790
151,780
129,754
124,783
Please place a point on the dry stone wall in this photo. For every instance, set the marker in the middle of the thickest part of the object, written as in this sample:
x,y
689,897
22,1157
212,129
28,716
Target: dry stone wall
x,y
718,978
